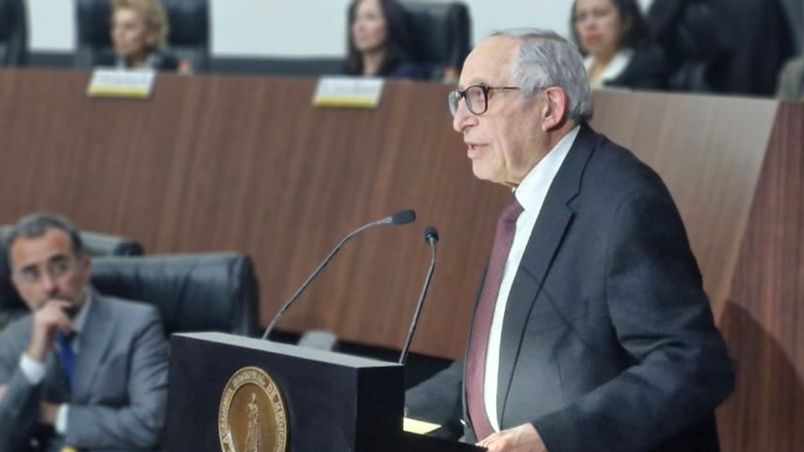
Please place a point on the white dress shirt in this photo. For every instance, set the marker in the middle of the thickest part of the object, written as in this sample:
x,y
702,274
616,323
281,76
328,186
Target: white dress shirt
x,y
34,371
613,70
530,194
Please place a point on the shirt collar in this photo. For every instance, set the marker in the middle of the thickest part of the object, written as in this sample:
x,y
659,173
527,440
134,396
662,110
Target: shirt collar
x,y
615,67
80,319
533,189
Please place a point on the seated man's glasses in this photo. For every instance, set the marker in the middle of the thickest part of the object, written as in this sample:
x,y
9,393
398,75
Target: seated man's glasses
x,y
476,97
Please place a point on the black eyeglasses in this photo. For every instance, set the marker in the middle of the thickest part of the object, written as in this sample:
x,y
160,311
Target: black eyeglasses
x,y
476,96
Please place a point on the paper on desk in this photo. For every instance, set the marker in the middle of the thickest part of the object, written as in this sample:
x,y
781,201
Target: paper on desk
x,y
418,427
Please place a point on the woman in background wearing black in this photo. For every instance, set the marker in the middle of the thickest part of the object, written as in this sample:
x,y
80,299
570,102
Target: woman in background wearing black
x,y
379,42
616,40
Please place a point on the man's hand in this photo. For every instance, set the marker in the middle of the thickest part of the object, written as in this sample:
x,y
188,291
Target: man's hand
x,y
48,319
2,391
48,413
523,438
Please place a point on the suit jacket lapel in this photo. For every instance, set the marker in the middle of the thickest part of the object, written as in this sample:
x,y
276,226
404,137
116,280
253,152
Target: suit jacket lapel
x,y
100,326
544,242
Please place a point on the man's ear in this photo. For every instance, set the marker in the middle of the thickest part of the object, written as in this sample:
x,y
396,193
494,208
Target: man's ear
x,y
85,263
555,110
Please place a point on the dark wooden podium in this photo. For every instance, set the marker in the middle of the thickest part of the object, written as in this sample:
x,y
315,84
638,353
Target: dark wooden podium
x,y
332,401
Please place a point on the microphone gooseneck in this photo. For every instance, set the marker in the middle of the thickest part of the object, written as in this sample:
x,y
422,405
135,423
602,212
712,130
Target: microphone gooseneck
x,y
431,237
400,217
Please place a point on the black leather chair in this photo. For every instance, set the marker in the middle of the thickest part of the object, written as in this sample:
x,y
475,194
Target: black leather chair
x,y
194,292
13,32
188,38
694,38
441,32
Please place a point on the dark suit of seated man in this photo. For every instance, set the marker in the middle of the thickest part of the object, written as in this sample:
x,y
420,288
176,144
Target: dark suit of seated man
x,y
82,370
592,331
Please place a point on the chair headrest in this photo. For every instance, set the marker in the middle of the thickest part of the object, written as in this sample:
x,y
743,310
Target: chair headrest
x,y
441,31
12,17
194,292
189,22
13,32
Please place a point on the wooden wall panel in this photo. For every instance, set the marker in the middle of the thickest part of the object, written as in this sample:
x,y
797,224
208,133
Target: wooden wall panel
x,y
764,318
247,164
709,151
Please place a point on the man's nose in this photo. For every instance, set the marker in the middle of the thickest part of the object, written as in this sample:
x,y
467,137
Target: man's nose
x,y
49,284
463,117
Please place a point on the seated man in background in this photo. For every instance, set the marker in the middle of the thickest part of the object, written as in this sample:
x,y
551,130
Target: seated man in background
x,y
81,370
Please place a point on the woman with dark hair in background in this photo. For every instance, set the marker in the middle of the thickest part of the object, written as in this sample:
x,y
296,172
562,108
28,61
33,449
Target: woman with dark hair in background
x,y
379,41
617,43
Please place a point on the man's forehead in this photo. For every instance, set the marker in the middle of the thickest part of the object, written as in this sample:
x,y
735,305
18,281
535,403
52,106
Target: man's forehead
x,y
490,62
31,250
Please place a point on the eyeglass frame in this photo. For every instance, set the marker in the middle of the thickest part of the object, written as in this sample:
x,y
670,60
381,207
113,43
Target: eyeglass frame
x,y
461,94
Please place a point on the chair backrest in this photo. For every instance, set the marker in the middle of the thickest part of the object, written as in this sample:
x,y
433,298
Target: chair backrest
x,y
13,32
188,38
441,32
194,292
693,37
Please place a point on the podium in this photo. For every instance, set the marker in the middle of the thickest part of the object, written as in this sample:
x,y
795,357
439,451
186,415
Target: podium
x,y
236,394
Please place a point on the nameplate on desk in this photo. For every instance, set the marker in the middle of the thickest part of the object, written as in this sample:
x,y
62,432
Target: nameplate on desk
x,y
348,92
418,426
122,83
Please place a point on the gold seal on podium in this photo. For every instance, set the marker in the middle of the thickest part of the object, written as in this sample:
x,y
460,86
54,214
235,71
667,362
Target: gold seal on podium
x,y
252,415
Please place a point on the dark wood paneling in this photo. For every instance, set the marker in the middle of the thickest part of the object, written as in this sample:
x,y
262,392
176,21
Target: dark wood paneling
x,y
247,164
764,318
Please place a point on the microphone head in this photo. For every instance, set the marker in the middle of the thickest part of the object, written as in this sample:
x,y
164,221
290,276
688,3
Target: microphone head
x,y
403,217
430,232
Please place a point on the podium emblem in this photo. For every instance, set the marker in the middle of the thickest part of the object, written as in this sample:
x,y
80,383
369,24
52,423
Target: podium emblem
x,y
252,415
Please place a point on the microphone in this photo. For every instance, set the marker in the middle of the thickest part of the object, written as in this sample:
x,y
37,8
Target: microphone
x,y
401,217
431,237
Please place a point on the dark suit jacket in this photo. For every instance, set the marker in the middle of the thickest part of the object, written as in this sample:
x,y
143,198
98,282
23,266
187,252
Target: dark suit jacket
x,y
120,383
608,339
648,69
159,60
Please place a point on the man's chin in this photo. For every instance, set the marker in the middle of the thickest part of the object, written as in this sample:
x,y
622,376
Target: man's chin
x,y
72,310
72,307
483,173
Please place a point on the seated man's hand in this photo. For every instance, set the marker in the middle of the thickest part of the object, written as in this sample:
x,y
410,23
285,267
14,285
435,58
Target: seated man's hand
x,y
523,438
48,413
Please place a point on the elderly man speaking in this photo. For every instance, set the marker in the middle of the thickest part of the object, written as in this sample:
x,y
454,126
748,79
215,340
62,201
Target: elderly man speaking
x,y
592,331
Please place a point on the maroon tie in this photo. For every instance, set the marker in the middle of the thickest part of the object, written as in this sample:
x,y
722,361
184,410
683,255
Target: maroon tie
x,y
481,326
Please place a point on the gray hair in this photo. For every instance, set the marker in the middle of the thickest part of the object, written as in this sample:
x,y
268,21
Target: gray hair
x,y
37,224
546,59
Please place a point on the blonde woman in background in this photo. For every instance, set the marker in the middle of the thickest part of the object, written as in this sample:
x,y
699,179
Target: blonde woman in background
x,y
139,31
